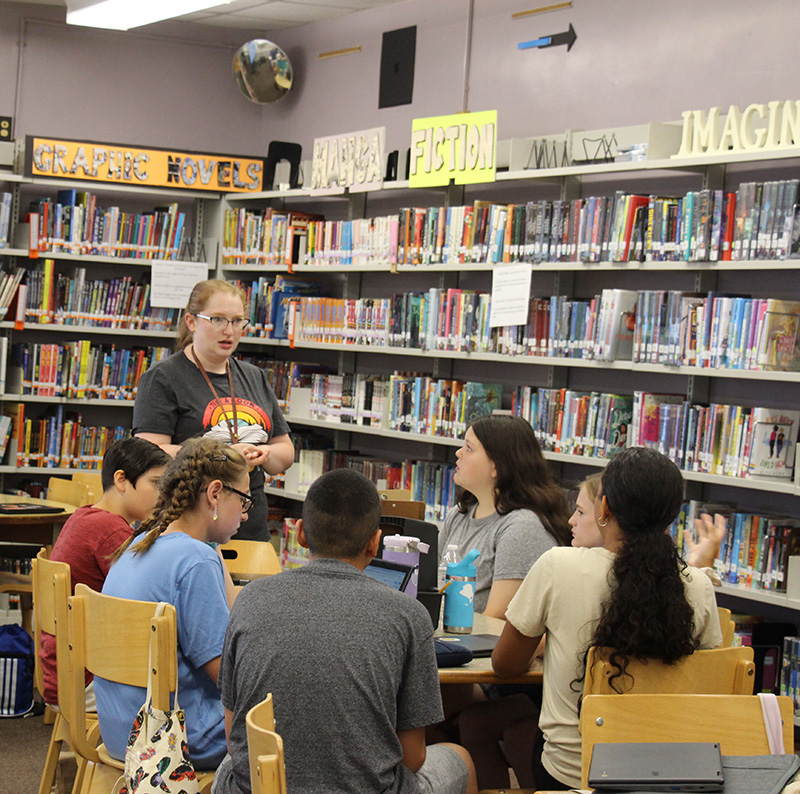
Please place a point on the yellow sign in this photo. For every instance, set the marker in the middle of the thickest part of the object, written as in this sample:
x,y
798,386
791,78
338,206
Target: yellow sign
x,y
460,147
130,165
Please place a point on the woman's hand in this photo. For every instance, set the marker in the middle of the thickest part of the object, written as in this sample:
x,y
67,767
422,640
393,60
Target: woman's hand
x,y
710,535
254,454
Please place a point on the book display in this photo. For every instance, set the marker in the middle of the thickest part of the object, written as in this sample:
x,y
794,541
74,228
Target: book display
x,y
657,315
77,321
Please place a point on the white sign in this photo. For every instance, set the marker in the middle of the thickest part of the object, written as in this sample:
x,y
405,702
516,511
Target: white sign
x,y
769,127
172,282
511,289
353,160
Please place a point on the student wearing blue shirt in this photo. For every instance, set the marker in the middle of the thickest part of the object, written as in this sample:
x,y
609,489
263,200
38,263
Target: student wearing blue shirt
x,y
203,498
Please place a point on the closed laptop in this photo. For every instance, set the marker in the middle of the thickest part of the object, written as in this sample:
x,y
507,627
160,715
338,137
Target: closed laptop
x,y
656,766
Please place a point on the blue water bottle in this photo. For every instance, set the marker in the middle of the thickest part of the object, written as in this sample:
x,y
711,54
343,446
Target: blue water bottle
x,y
459,597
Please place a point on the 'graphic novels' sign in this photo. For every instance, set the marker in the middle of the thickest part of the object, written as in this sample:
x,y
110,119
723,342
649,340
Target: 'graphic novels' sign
x,y
131,165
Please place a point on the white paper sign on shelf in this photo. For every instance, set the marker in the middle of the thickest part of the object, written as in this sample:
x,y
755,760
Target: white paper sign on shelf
x,y
511,289
172,282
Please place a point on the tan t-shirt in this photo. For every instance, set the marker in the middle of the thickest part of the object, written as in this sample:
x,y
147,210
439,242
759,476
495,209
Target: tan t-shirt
x,y
563,596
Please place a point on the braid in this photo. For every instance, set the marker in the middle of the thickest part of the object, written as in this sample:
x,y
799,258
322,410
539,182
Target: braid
x,y
198,462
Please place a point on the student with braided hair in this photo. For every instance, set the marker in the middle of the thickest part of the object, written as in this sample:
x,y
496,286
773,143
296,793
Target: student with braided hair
x,y
203,497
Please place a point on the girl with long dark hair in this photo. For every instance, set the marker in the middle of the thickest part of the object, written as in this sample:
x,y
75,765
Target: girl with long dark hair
x,y
509,507
634,594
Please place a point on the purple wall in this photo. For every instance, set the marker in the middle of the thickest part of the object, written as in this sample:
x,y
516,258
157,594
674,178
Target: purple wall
x,y
633,62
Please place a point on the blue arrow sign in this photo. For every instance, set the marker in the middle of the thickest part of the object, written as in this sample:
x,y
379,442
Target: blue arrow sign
x,y
557,39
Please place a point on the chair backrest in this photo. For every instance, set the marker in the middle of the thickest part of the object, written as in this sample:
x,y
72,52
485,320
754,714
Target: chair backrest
x,y
112,638
94,479
69,492
250,559
726,626
720,671
51,588
267,769
403,508
735,721
396,495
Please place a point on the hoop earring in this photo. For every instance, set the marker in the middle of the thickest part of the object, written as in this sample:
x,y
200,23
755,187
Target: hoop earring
x,y
602,523
214,515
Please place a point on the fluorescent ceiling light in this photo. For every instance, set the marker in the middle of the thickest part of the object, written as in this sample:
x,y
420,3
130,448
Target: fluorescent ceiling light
x,y
126,14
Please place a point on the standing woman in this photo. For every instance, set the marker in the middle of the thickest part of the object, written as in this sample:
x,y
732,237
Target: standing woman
x,y
634,595
202,390
509,508
202,499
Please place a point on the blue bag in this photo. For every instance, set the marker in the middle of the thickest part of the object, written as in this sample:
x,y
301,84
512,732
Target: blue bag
x,y
16,671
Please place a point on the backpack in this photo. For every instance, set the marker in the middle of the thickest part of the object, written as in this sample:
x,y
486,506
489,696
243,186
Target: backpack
x,y
16,671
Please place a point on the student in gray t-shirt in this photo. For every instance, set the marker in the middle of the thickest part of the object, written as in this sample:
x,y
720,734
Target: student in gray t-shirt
x,y
350,664
509,507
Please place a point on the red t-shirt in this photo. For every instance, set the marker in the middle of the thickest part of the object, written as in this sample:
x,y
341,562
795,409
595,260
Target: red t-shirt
x,y
86,541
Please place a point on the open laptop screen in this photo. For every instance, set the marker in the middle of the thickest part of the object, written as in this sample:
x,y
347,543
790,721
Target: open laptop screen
x,y
395,574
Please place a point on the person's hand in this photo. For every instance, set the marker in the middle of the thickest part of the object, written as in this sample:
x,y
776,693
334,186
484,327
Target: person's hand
x,y
254,454
710,534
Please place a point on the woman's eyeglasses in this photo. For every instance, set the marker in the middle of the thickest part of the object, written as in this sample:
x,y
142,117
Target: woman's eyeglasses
x,y
247,501
221,323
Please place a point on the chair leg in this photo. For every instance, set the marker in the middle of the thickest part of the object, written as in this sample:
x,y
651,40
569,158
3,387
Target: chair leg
x,y
79,775
49,715
51,762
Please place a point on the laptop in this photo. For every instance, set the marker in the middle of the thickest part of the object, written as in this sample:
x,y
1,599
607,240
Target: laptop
x,y
481,645
656,766
395,574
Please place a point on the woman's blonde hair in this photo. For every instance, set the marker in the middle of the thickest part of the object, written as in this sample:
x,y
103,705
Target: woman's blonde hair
x,y
592,485
202,292
198,462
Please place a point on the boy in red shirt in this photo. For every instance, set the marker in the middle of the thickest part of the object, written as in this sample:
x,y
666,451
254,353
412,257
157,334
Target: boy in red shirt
x,y
130,474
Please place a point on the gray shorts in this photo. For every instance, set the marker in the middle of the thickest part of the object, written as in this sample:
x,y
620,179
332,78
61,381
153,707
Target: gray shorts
x,y
443,771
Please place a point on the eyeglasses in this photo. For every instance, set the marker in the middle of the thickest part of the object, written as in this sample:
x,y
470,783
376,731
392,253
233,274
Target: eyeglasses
x,y
221,323
247,501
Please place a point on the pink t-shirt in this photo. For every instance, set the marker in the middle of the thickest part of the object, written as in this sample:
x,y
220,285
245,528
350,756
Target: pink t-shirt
x,y
86,541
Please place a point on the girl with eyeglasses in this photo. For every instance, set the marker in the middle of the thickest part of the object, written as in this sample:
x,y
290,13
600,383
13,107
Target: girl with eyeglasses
x,y
202,498
202,390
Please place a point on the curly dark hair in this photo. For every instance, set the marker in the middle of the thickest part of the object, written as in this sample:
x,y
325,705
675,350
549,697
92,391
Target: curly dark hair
x,y
647,615
524,480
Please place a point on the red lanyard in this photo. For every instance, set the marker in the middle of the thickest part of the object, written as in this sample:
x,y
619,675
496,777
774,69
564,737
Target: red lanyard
x,y
232,429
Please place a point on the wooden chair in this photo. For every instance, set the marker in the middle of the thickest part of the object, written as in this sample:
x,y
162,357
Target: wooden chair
x,y
52,586
97,643
735,721
94,479
250,559
72,493
403,509
267,769
396,495
721,671
727,626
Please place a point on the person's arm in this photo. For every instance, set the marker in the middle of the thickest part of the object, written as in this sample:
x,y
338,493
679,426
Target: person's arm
x,y
161,440
500,595
413,744
231,590
212,669
710,535
513,653
275,456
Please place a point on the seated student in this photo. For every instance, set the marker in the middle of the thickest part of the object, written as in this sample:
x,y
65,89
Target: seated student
x,y
350,663
634,594
203,497
130,474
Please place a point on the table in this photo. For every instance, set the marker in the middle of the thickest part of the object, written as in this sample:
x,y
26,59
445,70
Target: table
x,y
38,528
479,671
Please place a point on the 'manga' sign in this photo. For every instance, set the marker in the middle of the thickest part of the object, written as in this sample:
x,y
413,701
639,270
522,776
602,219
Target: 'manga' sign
x,y
120,164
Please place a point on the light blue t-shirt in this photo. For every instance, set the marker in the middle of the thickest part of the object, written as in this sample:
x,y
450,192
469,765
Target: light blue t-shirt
x,y
188,574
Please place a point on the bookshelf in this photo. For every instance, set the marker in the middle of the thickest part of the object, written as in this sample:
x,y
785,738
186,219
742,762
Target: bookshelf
x,y
672,177
109,280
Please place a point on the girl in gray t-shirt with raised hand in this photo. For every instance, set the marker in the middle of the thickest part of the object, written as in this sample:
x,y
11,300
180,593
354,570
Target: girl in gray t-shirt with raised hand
x,y
509,507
